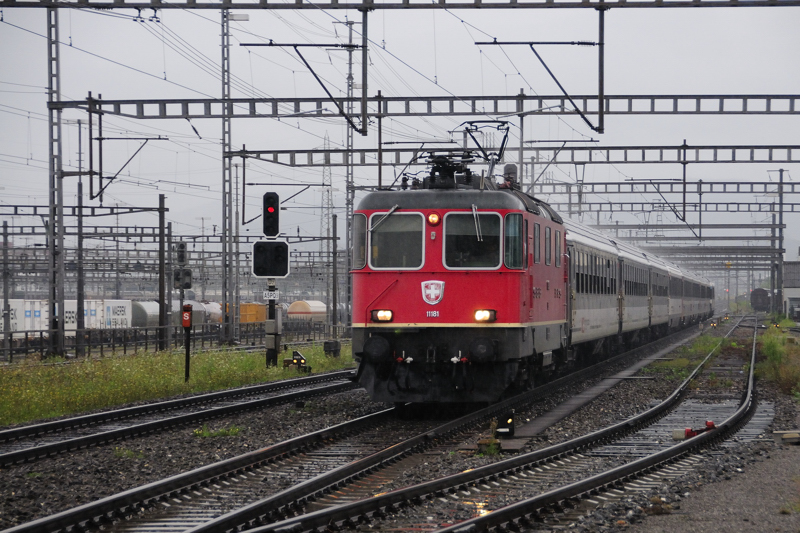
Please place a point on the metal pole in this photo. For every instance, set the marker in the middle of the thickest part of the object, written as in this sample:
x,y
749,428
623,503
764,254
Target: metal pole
x,y
683,213
187,360
227,203
169,287
349,186
728,290
700,210
773,244
364,63
335,288
162,289
272,353
521,172
6,296
117,280
380,143
601,97
55,231
779,281
80,323
236,288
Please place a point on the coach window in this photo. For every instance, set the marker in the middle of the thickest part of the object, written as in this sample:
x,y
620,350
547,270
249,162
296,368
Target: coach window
x,y
548,246
396,240
585,270
558,248
514,243
359,241
536,243
472,240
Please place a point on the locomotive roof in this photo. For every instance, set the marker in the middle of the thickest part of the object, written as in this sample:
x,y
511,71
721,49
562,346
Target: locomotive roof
x,y
457,199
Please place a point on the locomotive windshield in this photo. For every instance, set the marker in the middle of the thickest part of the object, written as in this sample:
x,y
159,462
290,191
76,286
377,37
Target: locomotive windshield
x,y
465,247
396,242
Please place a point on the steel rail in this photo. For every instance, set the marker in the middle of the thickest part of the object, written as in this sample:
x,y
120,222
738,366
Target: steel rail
x,y
107,508
77,443
349,513
128,412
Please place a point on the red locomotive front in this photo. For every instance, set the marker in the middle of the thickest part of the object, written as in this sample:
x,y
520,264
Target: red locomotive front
x,y
459,293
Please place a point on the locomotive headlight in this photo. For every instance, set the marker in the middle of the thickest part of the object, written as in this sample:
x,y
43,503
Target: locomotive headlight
x,y
485,315
381,315
434,219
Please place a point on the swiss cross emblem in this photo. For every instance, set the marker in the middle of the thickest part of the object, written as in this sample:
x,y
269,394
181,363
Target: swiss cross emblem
x,y
432,291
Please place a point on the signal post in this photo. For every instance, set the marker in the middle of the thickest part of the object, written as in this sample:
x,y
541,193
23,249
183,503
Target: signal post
x,y
270,260
186,321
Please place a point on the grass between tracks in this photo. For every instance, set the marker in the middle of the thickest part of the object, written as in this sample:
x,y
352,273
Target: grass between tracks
x,y
38,390
687,358
780,358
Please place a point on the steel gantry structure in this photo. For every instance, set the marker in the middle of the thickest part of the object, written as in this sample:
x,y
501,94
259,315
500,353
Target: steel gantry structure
x,y
228,108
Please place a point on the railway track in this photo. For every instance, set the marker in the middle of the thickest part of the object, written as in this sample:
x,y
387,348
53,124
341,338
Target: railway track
x,y
233,494
32,442
485,498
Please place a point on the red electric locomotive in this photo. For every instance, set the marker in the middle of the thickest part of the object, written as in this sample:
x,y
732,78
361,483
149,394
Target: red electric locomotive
x,y
459,288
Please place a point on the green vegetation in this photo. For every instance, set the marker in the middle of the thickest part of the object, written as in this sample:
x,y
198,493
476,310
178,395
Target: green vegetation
x,y
741,308
781,361
687,358
204,432
491,448
36,390
33,475
782,320
125,453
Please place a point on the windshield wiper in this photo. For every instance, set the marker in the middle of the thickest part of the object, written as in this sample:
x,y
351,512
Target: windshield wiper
x,y
384,217
477,223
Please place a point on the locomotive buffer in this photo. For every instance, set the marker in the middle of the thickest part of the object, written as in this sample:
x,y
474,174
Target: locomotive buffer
x,y
270,259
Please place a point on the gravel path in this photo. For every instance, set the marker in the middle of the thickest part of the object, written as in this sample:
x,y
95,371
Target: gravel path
x,y
764,497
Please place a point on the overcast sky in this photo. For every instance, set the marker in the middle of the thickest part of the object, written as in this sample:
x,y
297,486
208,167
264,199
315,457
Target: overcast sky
x,y
423,52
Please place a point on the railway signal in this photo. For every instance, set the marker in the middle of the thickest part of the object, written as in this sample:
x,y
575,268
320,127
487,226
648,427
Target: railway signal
x,y
270,259
182,278
271,214
181,254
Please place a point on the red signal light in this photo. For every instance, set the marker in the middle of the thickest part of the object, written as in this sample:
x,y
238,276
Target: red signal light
x,y
270,210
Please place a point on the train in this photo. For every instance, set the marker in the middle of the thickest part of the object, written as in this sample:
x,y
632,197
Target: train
x,y
465,290
761,300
